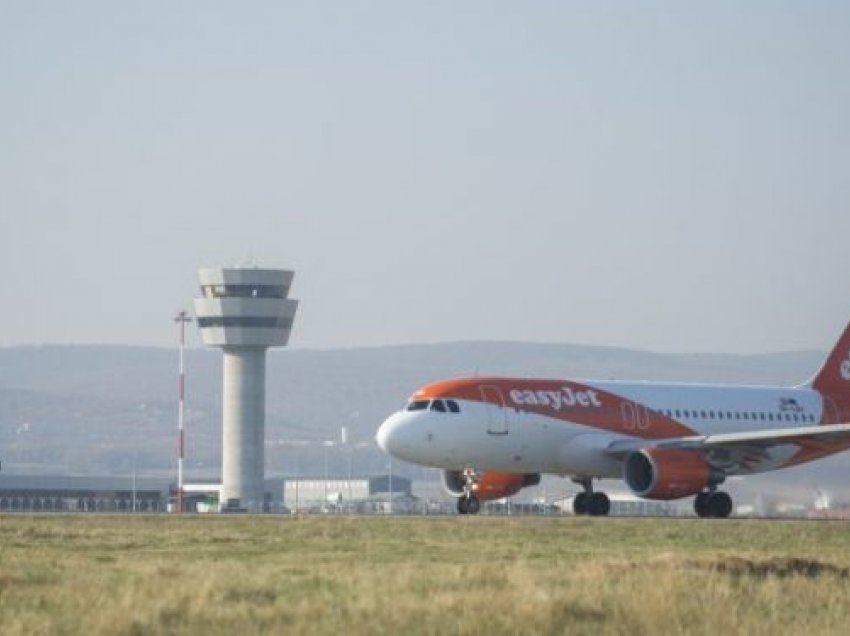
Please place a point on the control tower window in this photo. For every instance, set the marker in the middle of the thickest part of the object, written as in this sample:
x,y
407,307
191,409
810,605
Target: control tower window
x,y
213,291
268,322
245,291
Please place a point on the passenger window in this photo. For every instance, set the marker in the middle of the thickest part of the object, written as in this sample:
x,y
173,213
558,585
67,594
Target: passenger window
x,y
418,405
678,414
719,415
770,416
702,414
796,418
453,407
438,405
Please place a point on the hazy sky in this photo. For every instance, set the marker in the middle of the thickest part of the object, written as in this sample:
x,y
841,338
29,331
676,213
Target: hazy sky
x,y
663,175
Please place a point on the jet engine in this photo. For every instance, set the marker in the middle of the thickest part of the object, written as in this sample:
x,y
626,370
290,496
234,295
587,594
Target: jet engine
x,y
667,473
489,485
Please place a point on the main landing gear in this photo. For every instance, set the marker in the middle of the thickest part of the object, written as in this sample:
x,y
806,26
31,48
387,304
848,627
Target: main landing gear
x,y
588,502
713,504
468,503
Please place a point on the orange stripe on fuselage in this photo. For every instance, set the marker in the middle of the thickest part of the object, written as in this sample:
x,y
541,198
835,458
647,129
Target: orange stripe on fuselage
x,y
564,400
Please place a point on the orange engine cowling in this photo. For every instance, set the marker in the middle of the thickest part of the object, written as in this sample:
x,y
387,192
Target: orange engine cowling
x,y
490,485
666,473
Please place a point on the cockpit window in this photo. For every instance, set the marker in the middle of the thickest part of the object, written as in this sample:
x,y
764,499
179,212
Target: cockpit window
x,y
441,406
417,405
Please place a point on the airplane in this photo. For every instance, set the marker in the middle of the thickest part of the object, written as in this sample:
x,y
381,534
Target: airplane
x,y
493,436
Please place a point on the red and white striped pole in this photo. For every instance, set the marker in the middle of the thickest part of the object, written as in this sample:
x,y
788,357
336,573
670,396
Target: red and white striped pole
x,y
182,318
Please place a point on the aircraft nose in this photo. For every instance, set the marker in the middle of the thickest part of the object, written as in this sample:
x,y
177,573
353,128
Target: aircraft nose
x,y
388,433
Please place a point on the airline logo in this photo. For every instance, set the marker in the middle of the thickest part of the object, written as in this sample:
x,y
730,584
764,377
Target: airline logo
x,y
556,400
845,368
790,405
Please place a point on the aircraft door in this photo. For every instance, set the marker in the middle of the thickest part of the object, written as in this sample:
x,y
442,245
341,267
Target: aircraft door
x,y
497,412
634,417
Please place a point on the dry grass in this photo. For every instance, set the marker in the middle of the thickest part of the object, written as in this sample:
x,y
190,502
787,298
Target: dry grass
x,y
485,575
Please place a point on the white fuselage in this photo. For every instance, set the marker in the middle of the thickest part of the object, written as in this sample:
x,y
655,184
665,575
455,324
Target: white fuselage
x,y
527,426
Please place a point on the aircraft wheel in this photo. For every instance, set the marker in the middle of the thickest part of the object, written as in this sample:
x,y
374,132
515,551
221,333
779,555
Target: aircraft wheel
x,y
701,504
599,505
462,505
473,505
719,505
580,503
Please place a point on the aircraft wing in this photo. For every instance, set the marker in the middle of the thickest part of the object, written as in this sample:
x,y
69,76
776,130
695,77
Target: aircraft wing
x,y
804,435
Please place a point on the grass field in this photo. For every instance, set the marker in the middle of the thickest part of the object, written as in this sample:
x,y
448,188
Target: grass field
x,y
454,575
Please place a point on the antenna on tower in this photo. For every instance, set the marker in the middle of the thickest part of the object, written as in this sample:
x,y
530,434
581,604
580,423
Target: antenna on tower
x,y
249,262
181,318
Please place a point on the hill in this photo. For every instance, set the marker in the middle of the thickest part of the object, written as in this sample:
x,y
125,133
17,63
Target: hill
x,y
102,409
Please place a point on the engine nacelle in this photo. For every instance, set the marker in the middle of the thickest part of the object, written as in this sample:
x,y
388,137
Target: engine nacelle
x,y
490,485
666,473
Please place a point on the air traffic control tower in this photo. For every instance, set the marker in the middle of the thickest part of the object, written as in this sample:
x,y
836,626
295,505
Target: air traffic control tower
x,y
244,311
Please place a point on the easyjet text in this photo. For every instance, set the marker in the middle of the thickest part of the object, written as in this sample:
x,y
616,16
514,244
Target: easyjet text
x,y
557,400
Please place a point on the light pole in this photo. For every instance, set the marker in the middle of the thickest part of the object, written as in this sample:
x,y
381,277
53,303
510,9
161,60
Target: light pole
x,y
391,485
343,440
350,497
135,450
327,444
181,318
135,442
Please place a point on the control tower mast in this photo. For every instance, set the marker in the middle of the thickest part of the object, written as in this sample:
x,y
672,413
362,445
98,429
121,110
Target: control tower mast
x,y
244,311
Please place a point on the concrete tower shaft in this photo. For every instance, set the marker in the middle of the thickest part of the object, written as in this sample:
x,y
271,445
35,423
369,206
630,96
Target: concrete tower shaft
x,y
244,311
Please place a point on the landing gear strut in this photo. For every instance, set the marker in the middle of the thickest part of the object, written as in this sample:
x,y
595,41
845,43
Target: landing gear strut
x,y
588,502
468,503
713,503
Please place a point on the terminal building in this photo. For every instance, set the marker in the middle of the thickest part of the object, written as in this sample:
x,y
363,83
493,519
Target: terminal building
x,y
308,493
291,494
45,493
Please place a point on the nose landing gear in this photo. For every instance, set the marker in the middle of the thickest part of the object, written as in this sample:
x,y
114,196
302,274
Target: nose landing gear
x,y
468,503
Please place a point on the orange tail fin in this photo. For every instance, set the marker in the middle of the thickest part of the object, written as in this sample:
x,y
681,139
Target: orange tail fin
x,y
833,379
